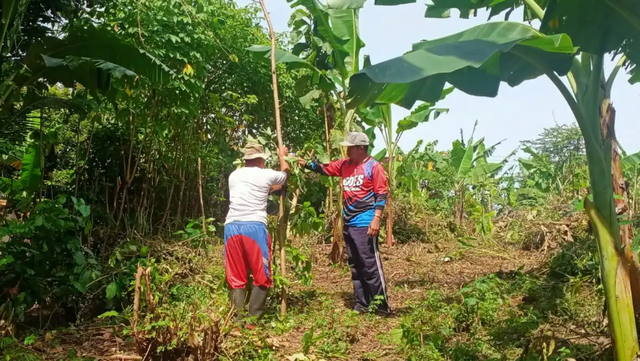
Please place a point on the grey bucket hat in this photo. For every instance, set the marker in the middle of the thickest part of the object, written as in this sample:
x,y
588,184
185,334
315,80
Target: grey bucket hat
x,y
253,151
354,139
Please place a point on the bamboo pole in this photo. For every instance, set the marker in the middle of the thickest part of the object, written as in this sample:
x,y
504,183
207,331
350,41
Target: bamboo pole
x,y
282,220
204,222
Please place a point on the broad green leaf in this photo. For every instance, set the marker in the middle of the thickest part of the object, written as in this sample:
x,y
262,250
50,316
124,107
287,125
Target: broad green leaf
x,y
437,11
79,258
112,290
90,56
482,157
586,21
308,98
631,161
323,27
294,62
371,133
337,26
30,174
467,161
474,61
635,74
396,335
30,340
344,21
468,8
583,21
421,114
480,173
380,155
109,314
635,245
526,164
371,116
457,154
5,260
282,57
345,4
80,287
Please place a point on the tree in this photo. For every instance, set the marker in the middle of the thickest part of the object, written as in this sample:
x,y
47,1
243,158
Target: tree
x,y
524,53
557,162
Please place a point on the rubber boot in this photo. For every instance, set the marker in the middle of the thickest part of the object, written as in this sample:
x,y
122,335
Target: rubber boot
x,y
257,301
237,300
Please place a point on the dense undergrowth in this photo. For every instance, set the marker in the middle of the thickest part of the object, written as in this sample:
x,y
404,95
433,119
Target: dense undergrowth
x,y
548,310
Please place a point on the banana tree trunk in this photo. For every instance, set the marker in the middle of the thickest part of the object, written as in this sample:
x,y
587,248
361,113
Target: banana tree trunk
x,y
607,124
459,206
615,273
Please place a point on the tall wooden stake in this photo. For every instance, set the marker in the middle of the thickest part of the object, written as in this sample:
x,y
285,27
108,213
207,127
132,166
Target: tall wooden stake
x,y
390,199
282,220
204,222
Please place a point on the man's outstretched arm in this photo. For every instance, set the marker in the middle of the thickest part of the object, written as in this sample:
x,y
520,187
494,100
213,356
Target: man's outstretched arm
x,y
332,169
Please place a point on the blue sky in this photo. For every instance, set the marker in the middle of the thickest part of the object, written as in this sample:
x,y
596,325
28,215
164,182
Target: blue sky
x,y
516,114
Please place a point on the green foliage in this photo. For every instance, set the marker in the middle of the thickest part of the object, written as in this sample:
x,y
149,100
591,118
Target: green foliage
x,y
418,222
306,221
194,233
45,260
10,349
332,335
557,165
384,83
123,263
482,219
495,316
301,265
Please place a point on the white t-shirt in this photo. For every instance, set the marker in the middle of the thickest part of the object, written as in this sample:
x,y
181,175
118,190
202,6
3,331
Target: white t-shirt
x,y
248,193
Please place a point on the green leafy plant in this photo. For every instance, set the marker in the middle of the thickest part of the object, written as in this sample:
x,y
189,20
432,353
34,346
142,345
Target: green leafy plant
x,y
44,260
194,233
306,220
301,265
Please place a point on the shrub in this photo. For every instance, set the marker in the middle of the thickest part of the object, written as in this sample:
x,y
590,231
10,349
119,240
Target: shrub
x,y
414,223
44,260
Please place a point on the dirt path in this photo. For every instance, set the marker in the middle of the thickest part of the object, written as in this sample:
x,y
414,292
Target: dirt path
x,y
411,270
324,307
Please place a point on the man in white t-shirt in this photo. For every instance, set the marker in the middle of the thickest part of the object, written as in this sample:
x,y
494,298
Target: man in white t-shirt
x,y
247,244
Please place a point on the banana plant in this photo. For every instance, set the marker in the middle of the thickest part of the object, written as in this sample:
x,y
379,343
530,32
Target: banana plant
x,y
411,170
473,169
330,54
597,28
380,117
539,172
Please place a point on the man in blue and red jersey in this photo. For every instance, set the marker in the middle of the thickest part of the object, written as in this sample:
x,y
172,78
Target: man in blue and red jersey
x,y
364,184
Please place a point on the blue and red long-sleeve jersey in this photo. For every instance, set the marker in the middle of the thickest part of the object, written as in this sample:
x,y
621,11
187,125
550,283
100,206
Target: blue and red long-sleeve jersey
x,y
364,188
